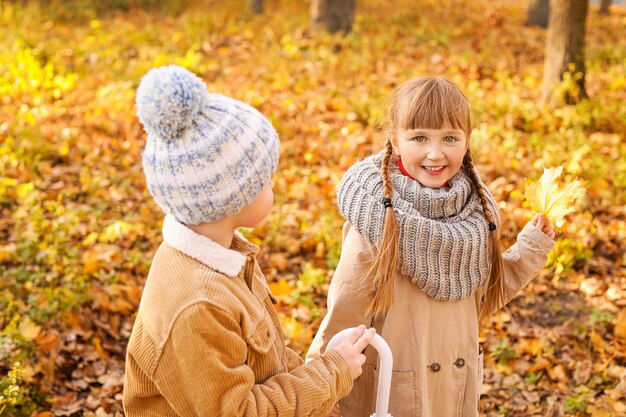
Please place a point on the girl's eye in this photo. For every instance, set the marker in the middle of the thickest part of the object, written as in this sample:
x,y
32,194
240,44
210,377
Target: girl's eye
x,y
419,139
450,139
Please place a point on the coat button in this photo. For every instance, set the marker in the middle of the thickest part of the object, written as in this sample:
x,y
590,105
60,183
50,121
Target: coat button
x,y
435,367
460,362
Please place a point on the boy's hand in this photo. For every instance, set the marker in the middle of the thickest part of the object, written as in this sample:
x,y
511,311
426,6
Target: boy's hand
x,y
542,223
352,346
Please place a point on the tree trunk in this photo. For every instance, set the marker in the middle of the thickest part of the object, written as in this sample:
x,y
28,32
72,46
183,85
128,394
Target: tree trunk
x,y
334,15
256,6
565,51
604,6
538,12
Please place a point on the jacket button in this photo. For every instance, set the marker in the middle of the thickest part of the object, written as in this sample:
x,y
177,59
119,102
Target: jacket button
x,y
435,367
460,362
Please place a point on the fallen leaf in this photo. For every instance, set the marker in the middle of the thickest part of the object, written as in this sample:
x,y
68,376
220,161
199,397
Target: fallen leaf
x,y
511,380
98,345
111,380
278,261
504,369
540,365
532,346
28,329
557,373
279,288
531,396
620,325
582,373
47,341
590,286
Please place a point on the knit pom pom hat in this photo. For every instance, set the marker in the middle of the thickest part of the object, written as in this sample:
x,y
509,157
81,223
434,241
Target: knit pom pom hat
x,y
207,156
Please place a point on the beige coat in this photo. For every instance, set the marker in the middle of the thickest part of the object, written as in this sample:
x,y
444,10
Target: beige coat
x,y
207,340
437,358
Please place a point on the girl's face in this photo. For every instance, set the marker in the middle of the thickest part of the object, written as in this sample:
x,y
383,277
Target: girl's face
x,y
431,156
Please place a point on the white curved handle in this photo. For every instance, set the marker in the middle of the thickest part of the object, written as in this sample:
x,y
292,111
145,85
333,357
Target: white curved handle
x,y
384,375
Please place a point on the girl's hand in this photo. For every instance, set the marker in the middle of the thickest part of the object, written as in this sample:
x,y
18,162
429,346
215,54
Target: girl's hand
x,y
352,346
541,222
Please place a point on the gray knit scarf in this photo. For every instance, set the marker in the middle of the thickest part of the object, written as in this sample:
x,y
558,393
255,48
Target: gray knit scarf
x,y
443,231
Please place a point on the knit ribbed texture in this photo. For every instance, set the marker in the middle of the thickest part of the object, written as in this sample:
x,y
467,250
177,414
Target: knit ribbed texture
x,y
207,156
207,344
443,237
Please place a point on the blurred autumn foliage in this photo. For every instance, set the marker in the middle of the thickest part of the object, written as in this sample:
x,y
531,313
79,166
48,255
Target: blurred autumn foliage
x,y
78,228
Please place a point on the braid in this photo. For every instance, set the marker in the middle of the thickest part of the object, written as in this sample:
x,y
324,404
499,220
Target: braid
x,y
494,296
387,185
383,267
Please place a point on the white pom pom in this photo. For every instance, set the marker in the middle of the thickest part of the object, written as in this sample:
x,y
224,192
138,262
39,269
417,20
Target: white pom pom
x,y
168,99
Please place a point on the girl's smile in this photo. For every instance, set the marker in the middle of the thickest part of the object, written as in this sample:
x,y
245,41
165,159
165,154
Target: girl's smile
x,y
431,156
434,171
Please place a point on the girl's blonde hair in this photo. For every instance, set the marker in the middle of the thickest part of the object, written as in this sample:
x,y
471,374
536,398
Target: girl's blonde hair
x,y
429,103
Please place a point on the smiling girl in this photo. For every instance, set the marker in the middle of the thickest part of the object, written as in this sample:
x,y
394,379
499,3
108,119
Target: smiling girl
x,y
421,258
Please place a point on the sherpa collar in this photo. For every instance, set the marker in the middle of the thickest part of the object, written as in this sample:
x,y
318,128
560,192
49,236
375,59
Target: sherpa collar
x,y
227,261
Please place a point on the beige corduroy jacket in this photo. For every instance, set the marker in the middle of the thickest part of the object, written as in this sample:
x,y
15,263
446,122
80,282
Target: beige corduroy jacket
x,y
207,340
437,361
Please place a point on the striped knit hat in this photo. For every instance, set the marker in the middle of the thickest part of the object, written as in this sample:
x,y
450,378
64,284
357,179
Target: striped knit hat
x,y
207,156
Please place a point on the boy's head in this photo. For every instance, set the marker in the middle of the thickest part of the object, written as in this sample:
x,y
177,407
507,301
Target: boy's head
x,y
207,156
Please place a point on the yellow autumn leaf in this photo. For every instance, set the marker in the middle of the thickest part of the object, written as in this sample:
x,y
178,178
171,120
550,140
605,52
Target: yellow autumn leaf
x,y
114,231
292,327
558,373
280,288
98,345
4,254
28,329
504,369
90,239
532,346
91,262
25,189
552,197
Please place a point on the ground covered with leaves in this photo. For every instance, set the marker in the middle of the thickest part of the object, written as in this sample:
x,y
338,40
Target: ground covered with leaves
x,y
78,228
